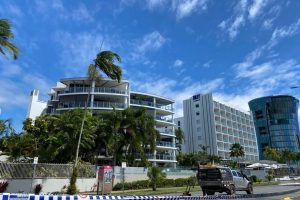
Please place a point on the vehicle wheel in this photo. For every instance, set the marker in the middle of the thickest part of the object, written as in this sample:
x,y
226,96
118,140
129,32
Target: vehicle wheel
x,y
211,193
231,190
204,192
249,189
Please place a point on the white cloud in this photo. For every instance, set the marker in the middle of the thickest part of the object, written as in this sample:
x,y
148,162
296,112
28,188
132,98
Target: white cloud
x,y
16,82
284,32
207,64
150,42
256,8
168,88
242,11
234,28
178,63
152,4
177,67
56,9
184,8
78,50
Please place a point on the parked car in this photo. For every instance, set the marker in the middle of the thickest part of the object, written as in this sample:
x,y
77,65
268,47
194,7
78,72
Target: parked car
x,y
214,179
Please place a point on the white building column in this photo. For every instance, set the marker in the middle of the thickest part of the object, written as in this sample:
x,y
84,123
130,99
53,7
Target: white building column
x,y
92,94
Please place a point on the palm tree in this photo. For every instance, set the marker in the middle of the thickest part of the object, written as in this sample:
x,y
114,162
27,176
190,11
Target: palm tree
x,y
179,139
104,62
236,150
155,176
271,153
5,35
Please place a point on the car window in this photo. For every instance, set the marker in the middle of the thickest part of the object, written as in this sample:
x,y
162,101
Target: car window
x,y
225,173
239,174
234,173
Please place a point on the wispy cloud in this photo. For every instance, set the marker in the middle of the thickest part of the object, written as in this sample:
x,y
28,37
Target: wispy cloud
x,y
184,8
242,11
169,88
150,42
180,8
16,82
56,9
256,8
177,67
153,4
78,50
284,32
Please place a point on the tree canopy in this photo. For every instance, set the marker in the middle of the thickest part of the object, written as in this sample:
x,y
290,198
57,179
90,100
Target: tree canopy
x,y
121,134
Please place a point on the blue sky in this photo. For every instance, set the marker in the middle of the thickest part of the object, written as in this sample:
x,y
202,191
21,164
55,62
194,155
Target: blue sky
x,y
238,49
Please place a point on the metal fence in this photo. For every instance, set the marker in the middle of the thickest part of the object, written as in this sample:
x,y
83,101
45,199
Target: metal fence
x,y
44,170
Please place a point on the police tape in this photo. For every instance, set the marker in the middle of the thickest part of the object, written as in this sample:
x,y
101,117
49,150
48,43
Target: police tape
x,y
8,196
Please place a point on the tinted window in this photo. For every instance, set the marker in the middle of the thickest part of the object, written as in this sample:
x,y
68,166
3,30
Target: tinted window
x,y
234,173
239,174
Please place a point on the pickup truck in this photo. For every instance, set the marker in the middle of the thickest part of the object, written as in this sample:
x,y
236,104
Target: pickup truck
x,y
222,179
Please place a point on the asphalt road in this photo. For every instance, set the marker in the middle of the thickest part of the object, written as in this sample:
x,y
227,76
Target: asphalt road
x,y
264,189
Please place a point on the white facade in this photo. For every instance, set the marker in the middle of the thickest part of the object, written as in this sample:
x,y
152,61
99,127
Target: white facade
x,y
35,107
72,93
217,126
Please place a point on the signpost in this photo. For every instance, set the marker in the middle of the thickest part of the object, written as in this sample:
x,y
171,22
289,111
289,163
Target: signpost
x,y
35,162
123,174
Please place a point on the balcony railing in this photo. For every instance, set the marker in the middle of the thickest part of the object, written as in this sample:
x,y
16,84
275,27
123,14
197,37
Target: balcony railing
x,y
165,144
164,107
165,120
141,102
97,104
109,90
166,131
96,90
151,104
161,157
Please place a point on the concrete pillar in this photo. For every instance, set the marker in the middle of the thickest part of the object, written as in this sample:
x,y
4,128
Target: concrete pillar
x,y
92,94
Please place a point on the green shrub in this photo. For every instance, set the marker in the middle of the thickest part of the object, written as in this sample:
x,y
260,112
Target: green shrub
x,y
144,184
253,178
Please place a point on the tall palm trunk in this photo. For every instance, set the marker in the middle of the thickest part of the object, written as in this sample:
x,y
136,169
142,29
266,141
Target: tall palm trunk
x,y
82,124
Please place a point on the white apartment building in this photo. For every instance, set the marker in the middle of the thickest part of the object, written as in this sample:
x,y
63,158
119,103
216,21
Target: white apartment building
x,y
217,126
72,93
35,107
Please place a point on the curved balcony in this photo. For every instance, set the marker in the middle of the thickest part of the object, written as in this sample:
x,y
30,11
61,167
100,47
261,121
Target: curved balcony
x,y
166,132
160,121
165,144
96,105
158,157
166,109
74,90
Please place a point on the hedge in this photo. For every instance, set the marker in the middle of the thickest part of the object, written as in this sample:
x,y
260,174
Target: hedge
x,y
144,184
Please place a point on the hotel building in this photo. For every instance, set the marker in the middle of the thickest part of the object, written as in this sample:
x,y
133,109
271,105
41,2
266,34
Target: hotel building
x,y
208,123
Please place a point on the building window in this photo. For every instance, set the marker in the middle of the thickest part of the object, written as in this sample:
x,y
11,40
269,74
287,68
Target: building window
x,y
262,130
178,123
198,121
198,129
259,114
197,113
197,105
199,137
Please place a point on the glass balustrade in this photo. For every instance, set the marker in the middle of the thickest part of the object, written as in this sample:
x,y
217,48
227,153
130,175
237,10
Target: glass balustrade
x,y
96,90
97,104
151,104
165,120
157,156
165,144
166,131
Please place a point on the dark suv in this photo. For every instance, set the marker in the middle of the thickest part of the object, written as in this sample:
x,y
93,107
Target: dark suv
x,y
222,179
